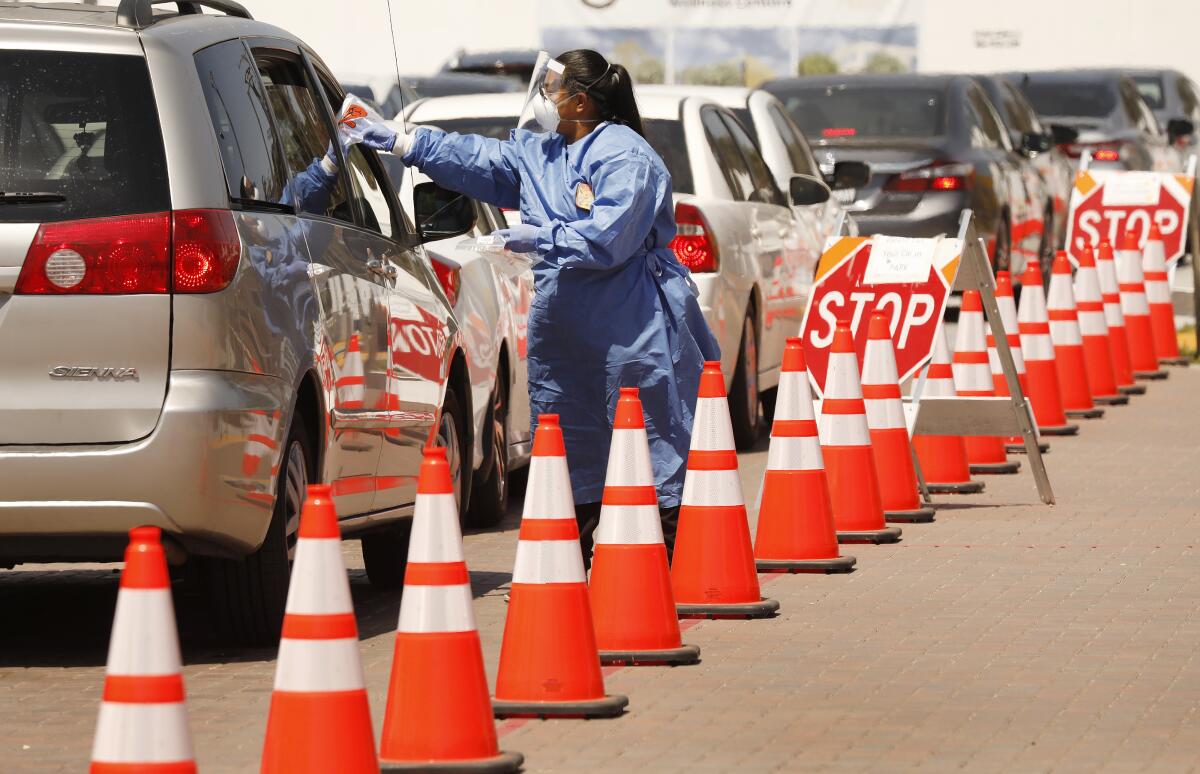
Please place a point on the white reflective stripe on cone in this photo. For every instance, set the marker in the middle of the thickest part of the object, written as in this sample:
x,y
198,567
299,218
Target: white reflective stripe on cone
x,y
142,733
1033,306
143,640
550,496
842,380
323,586
428,609
1014,349
712,429
712,487
1092,324
973,377
629,525
318,666
548,561
844,430
1008,312
1113,315
879,364
884,413
970,332
1037,346
797,453
1065,333
436,536
1158,292
940,388
629,459
794,400
1133,304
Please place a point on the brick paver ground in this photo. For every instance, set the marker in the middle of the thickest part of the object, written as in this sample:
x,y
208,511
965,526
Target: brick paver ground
x,y
1007,636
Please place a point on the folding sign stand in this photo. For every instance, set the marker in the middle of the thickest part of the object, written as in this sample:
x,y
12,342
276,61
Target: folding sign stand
x,y
1000,416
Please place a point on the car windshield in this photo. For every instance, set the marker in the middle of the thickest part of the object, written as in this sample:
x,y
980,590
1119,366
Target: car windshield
x,y
1071,98
81,129
666,137
1151,87
844,111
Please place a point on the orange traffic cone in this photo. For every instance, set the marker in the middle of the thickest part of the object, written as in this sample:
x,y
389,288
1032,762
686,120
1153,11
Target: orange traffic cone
x,y
973,379
143,725
943,458
889,433
713,571
795,519
439,716
1132,283
350,385
549,663
1008,319
1158,297
1118,337
1068,343
319,720
846,448
633,605
1094,329
1038,349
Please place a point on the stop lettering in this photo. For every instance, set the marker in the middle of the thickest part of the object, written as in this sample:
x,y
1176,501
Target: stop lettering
x,y
913,310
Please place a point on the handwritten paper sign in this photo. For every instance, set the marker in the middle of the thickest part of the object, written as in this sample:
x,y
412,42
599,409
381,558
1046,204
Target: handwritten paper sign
x,y
899,259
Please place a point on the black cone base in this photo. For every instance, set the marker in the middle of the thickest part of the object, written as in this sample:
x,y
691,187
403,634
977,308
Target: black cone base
x,y
607,707
965,487
1059,430
1019,448
1132,389
681,656
922,515
996,468
1152,376
839,564
764,608
1112,400
501,764
876,536
1092,413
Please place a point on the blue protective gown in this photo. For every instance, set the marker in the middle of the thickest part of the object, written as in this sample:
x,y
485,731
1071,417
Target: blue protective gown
x,y
613,307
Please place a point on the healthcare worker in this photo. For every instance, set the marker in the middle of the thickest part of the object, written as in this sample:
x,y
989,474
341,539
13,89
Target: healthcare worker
x,y
613,307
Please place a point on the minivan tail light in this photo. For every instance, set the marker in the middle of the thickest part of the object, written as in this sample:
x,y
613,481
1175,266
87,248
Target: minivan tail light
x,y
940,176
190,251
129,254
207,250
693,245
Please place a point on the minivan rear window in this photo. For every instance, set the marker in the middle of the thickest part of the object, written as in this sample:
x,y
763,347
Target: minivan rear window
x,y
1071,98
846,112
1151,87
81,129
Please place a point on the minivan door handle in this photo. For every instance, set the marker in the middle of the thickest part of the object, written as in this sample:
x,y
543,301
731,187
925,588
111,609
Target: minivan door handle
x,y
376,266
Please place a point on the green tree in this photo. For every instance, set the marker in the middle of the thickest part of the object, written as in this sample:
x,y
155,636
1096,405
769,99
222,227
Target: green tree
x,y
817,64
881,62
719,74
643,66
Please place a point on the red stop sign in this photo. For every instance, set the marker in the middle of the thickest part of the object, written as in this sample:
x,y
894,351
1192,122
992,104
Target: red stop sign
x,y
1091,219
841,293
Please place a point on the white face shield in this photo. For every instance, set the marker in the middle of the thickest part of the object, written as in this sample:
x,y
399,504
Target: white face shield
x,y
540,110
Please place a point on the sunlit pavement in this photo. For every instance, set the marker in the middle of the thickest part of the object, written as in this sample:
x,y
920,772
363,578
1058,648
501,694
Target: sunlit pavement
x,y
1007,636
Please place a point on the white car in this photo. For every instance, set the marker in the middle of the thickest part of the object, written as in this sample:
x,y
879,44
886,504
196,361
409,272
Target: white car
x,y
492,309
786,151
751,253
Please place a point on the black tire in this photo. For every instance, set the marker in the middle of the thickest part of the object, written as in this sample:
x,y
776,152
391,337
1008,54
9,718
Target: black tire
x,y
1049,240
385,554
489,490
768,399
247,596
452,434
743,392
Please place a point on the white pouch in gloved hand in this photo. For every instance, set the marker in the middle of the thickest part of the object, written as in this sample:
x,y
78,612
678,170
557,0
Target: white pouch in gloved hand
x,y
357,117
491,248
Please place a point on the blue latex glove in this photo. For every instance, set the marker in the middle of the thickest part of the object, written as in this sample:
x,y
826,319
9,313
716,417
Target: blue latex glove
x,y
521,238
379,137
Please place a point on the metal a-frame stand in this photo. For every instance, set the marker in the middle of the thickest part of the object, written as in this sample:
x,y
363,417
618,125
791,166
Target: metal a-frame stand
x,y
998,416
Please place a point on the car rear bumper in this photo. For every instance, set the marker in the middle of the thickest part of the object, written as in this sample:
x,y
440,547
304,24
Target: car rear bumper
x,y
929,219
204,475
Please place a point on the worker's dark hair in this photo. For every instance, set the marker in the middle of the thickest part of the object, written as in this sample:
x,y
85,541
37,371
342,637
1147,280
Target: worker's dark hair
x,y
609,85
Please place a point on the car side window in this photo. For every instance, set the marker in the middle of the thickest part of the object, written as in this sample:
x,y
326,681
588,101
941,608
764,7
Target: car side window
x,y
764,189
798,151
1130,100
367,190
1187,95
733,167
1149,122
990,131
304,131
1022,106
237,105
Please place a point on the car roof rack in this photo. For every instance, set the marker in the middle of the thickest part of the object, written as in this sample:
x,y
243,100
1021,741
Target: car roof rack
x,y
139,14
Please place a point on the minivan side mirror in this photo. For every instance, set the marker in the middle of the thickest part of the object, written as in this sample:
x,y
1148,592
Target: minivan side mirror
x,y
805,190
441,213
1178,128
1063,135
850,174
1035,142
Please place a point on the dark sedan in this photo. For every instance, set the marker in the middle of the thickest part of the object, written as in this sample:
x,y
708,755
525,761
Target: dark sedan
x,y
935,145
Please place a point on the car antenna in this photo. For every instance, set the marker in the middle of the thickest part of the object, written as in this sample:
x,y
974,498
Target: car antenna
x,y
396,60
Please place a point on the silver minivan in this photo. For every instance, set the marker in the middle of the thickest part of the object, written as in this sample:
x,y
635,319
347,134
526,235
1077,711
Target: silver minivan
x,y
199,314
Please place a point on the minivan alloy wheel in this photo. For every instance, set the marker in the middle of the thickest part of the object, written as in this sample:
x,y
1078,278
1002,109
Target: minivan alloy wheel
x,y
294,491
448,438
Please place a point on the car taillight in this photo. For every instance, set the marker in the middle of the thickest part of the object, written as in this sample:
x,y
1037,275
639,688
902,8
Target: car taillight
x,y
1101,151
207,250
101,256
839,131
692,244
1106,154
193,251
449,279
938,177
